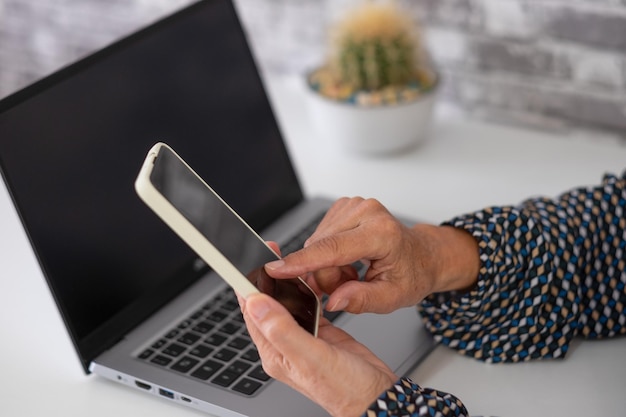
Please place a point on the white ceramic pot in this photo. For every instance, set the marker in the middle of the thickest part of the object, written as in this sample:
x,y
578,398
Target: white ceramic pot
x,y
381,129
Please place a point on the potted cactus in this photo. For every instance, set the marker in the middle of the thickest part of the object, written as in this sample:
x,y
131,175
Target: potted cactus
x,y
375,92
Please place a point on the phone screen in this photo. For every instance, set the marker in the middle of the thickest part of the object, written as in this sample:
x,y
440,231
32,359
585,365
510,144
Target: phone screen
x,y
218,223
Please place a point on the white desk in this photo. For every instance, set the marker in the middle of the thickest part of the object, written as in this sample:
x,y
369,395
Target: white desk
x,y
464,166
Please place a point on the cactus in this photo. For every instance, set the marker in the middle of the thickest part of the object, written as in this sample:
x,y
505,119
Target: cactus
x,y
373,47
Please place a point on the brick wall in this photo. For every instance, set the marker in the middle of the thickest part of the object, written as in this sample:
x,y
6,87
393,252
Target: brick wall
x,y
544,62
556,64
39,36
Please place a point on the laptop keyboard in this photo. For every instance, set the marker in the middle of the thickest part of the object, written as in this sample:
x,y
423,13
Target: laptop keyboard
x,y
213,345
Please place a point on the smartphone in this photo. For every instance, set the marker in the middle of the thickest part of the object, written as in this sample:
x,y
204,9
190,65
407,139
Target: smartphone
x,y
218,235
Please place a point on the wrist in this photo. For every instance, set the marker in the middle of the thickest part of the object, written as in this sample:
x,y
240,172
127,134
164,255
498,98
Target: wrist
x,y
462,258
457,257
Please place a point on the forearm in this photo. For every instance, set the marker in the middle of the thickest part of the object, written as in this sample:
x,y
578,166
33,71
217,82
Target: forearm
x,y
545,266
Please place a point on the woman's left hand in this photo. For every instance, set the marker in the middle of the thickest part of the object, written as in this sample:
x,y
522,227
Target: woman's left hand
x,y
333,370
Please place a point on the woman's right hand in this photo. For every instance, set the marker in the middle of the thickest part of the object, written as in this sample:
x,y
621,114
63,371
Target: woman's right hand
x,y
405,264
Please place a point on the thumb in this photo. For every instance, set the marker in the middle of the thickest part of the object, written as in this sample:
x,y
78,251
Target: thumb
x,y
365,297
258,306
276,324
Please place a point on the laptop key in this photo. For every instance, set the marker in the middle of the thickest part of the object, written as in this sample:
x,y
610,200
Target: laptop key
x,y
230,328
225,378
331,315
203,327
196,315
217,316
189,338
172,333
184,324
224,355
251,355
206,370
201,351
238,343
146,354
159,343
259,373
230,305
174,350
161,360
247,386
239,367
185,364
215,339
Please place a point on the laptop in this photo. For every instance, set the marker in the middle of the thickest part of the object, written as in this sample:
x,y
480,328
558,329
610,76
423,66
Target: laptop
x,y
141,308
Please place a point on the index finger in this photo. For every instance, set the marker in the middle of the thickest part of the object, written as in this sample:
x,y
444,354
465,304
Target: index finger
x,y
336,250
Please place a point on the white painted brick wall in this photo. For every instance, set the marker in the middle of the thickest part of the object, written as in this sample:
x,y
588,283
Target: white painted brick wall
x,y
508,18
38,37
560,62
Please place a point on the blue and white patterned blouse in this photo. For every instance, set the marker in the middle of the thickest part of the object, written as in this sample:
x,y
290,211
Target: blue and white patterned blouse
x,y
551,269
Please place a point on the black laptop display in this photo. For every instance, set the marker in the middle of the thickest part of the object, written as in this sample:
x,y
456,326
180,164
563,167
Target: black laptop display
x,y
71,146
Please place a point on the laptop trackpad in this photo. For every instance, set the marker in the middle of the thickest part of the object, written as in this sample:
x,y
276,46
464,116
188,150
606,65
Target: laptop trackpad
x,y
400,350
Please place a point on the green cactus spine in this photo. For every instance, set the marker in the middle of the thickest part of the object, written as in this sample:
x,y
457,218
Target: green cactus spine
x,y
374,47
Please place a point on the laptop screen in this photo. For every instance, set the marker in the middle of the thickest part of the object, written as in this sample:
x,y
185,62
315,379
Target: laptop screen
x,y
72,144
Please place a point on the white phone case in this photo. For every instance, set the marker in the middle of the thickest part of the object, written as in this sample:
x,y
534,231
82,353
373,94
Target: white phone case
x,y
185,230
188,233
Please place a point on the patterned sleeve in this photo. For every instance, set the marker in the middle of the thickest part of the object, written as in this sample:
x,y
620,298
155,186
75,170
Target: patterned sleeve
x,y
551,269
407,399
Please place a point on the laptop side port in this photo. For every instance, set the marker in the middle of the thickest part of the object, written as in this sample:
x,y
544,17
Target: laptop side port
x,y
166,393
143,385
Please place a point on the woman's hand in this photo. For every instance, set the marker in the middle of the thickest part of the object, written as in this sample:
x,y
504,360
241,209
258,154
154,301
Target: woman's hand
x,y
405,264
333,370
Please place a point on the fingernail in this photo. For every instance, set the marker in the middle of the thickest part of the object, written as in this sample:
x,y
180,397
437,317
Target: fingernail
x,y
257,307
275,264
341,304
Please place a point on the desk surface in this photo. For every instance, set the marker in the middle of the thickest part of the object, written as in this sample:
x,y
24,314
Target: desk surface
x,y
465,165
